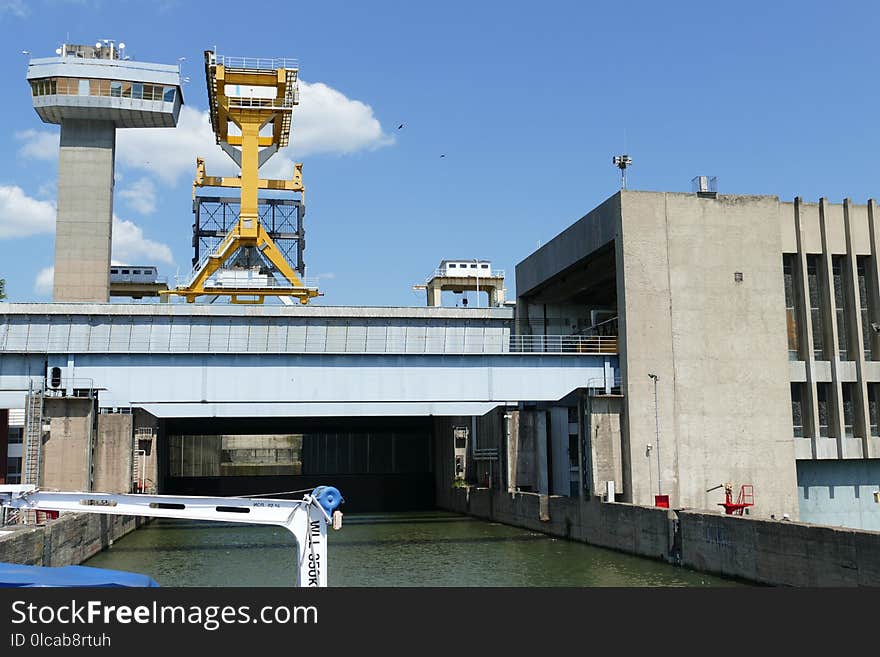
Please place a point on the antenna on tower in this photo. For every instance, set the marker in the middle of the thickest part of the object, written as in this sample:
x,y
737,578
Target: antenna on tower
x,y
622,162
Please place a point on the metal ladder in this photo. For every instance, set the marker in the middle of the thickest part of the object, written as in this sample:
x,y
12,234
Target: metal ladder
x,y
33,445
33,436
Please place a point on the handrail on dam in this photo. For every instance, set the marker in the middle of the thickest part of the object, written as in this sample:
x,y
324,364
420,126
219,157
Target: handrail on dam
x,y
578,344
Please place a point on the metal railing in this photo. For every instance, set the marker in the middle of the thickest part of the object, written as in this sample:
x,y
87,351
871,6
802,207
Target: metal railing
x,y
577,344
79,386
248,102
465,273
257,63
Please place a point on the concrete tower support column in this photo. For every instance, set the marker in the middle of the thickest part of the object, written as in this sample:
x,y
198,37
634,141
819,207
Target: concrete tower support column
x,y
434,292
85,210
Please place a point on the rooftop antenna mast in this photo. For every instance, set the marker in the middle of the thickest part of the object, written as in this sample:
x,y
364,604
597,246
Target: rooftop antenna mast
x,y
622,162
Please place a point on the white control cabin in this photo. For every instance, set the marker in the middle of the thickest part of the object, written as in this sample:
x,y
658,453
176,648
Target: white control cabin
x,y
464,268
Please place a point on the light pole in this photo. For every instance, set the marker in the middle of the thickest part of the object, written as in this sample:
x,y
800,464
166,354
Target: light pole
x,y
657,431
477,262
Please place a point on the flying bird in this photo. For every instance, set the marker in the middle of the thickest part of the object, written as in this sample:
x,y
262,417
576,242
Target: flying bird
x,y
444,155
400,127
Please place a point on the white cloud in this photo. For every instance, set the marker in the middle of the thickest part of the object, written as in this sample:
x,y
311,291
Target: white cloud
x,y
170,153
15,7
39,144
45,281
325,122
21,215
132,248
140,196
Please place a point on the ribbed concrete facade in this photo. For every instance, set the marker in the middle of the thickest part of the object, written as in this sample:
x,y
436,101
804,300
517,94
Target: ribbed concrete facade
x,y
760,320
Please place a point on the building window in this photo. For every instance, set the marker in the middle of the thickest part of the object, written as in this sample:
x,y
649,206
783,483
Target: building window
x,y
572,450
797,409
874,408
862,271
824,410
838,269
13,471
169,94
788,273
814,283
848,409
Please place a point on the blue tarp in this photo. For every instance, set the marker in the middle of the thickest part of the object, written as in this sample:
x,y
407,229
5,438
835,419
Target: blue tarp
x,y
12,574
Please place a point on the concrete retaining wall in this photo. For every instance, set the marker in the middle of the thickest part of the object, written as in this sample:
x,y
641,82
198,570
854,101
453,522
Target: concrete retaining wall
x,y
772,552
69,540
644,531
781,553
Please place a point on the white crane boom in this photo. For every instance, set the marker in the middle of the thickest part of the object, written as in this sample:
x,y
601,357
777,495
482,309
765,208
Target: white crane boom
x,y
306,519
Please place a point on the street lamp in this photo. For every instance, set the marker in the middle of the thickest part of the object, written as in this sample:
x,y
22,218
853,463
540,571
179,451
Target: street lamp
x,y
657,430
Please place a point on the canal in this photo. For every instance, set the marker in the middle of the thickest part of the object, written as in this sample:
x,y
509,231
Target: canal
x,y
389,549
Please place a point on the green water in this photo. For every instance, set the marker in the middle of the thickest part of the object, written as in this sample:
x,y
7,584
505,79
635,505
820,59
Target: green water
x,y
394,549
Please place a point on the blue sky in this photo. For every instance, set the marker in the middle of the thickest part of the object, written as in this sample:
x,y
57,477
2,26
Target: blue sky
x,y
528,102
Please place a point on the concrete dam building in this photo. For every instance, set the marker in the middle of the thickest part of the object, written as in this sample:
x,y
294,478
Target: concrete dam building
x,y
748,347
664,349
665,342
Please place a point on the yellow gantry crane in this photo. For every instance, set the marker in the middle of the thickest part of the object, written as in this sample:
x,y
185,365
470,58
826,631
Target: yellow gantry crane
x,y
257,96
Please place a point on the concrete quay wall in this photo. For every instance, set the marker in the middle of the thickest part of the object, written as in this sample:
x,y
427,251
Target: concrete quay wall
x,y
645,531
69,540
773,552
778,552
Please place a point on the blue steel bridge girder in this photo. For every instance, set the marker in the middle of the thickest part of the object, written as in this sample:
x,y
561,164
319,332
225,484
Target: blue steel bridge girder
x,y
202,361
208,385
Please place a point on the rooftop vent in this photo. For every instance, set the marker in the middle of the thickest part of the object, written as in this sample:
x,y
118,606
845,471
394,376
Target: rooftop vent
x,y
705,186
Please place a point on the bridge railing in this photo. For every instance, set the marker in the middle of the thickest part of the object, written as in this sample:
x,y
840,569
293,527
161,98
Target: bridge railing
x,y
577,344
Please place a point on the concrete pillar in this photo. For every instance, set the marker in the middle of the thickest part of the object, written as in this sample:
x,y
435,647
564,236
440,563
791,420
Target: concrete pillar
x,y
146,430
862,426
873,446
67,452
434,295
811,409
561,469
526,477
604,442
113,453
85,210
511,443
830,308
4,443
541,478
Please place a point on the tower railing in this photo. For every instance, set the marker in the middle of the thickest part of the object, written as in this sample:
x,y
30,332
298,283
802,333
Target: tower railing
x,y
257,63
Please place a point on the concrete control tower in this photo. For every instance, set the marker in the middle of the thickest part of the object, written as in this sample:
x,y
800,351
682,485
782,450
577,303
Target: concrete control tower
x,y
91,91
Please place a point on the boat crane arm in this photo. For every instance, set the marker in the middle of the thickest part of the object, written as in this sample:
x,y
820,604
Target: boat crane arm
x,y
306,519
